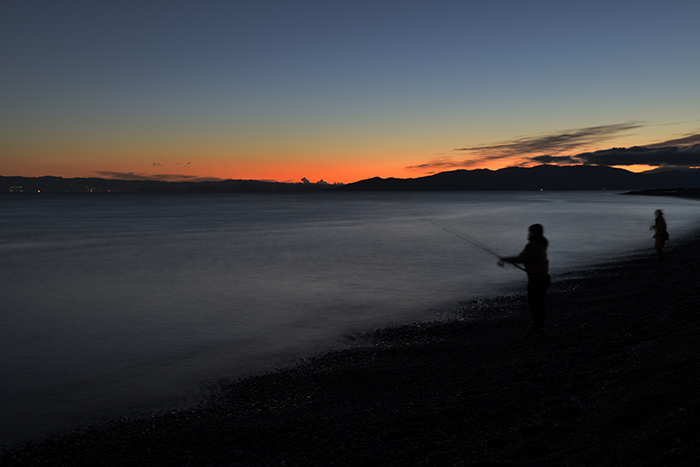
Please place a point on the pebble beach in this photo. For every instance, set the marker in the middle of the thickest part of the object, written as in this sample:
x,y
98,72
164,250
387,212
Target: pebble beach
x,y
613,380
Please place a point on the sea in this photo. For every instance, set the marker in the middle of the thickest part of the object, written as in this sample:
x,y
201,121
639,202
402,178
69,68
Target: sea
x,y
119,304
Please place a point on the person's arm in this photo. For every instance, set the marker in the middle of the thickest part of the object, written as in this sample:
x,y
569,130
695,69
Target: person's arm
x,y
521,258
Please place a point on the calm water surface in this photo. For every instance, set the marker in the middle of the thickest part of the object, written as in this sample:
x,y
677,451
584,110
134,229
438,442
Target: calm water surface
x,y
110,304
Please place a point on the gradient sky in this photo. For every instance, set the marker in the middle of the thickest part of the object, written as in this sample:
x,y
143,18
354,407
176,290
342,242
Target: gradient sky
x,y
340,90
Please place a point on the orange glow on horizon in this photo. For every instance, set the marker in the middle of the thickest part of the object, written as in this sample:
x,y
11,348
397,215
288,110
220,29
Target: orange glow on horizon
x,y
331,172
331,165
635,168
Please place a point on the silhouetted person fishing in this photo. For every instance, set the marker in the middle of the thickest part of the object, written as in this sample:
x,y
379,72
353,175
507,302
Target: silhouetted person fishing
x,y
534,258
660,232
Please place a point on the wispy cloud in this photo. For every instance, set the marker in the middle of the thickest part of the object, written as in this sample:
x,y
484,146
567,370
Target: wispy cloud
x,y
552,144
567,140
686,140
443,163
157,177
547,159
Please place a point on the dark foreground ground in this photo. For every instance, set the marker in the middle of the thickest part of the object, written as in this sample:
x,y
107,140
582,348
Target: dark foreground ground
x,y
614,381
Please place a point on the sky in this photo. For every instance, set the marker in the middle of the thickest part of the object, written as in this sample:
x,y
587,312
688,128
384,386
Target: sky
x,y
342,91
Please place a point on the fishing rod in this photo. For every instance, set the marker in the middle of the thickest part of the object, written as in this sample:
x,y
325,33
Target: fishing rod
x,y
467,239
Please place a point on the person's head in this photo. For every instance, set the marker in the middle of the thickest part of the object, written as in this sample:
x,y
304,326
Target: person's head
x,y
658,213
536,232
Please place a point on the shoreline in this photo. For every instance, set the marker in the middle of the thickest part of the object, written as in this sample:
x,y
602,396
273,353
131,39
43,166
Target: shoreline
x,y
613,380
693,193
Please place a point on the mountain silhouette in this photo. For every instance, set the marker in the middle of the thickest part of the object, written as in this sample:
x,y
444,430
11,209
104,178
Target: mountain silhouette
x,y
101,185
543,177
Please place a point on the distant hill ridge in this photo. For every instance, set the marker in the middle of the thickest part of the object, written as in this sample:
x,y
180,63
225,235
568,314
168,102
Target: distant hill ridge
x,y
102,185
543,177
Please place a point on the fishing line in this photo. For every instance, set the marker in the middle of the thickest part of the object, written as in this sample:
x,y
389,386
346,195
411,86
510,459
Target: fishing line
x,y
466,239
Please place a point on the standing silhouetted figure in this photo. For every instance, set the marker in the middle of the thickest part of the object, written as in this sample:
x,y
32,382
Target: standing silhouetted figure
x,y
534,258
660,232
